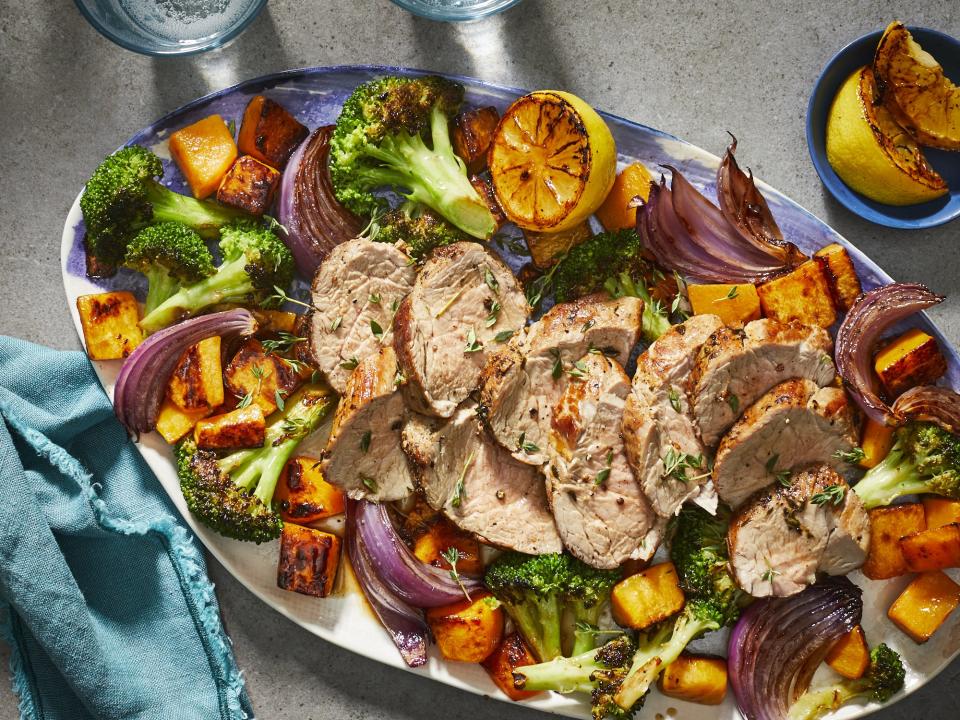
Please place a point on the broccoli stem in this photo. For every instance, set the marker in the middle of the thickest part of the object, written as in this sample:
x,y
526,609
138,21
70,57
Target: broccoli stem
x,y
585,640
204,217
563,675
666,645
893,477
160,286
435,177
819,702
230,283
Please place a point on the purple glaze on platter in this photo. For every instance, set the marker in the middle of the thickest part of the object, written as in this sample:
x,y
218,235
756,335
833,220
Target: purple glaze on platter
x,y
314,96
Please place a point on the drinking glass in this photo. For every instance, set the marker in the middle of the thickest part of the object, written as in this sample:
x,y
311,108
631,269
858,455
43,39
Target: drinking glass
x,y
455,10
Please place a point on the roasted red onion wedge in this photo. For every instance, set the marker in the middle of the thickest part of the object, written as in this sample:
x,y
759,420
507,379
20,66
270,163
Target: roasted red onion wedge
x,y
412,580
746,210
143,378
870,316
778,643
405,624
931,404
314,220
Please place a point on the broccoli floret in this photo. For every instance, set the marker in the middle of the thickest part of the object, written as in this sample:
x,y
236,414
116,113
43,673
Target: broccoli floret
x,y
536,590
417,228
883,680
381,140
123,196
598,672
255,262
234,494
924,458
613,261
169,254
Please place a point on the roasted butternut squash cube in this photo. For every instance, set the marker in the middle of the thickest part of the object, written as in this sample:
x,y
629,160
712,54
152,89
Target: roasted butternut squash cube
x,y
263,376
734,304
469,630
887,525
934,549
632,567
303,496
439,538
309,560
545,248
109,321
241,428
277,321
924,605
197,380
204,152
484,188
174,423
802,295
695,678
648,597
876,442
472,134
511,653
911,359
850,655
270,133
940,511
841,274
618,211
249,185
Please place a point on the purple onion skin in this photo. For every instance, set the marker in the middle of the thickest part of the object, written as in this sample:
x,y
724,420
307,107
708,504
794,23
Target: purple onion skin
x,y
416,582
405,624
143,379
930,403
778,643
867,320
314,219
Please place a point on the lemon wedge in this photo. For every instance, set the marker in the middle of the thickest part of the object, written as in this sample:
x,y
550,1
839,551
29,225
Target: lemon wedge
x,y
871,152
915,90
552,161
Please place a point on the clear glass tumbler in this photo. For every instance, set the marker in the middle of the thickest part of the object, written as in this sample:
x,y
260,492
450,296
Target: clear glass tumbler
x,y
455,10
170,27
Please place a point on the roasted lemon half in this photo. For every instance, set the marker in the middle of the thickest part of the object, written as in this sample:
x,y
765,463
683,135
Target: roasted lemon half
x,y
915,90
871,152
552,161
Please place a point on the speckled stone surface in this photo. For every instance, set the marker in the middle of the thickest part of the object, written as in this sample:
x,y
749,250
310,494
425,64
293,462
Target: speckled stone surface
x,y
692,67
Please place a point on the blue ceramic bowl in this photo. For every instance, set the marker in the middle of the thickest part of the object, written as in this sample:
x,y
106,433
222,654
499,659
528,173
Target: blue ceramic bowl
x,y
860,52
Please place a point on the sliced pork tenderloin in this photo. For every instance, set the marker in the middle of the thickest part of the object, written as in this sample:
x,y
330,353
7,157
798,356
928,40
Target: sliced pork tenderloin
x,y
738,365
601,512
524,380
796,424
658,424
784,536
476,483
463,298
363,454
356,290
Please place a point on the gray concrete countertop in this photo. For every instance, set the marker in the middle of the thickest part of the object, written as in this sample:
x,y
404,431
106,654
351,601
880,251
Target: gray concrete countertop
x,y
691,67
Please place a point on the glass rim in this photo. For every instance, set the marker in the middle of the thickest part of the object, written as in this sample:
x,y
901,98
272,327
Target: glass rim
x,y
451,14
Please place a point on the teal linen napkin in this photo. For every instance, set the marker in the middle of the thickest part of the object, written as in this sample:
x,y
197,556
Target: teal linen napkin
x,y
104,596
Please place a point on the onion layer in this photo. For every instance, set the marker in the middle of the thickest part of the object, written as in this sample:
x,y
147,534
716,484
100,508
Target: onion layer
x,y
932,404
870,316
778,643
314,219
747,211
143,378
413,580
405,624
687,233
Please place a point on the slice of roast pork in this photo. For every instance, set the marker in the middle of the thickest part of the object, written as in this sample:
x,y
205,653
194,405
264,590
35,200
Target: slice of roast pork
x,y
736,366
463,298
356,290
476,483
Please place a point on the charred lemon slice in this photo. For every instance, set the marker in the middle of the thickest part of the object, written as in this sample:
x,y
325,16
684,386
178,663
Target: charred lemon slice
x,y
552,161
871,152
916,91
